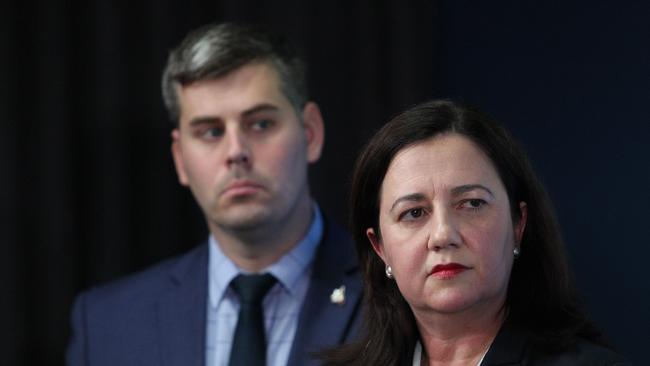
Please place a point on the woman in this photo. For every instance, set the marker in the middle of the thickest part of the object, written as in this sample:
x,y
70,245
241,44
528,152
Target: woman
x,y
461,253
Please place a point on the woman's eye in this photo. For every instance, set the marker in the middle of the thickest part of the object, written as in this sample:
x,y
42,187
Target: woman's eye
x,y
474,204
412,214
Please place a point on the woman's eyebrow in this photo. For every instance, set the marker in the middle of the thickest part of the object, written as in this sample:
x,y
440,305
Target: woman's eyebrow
x,y
457,191
411,197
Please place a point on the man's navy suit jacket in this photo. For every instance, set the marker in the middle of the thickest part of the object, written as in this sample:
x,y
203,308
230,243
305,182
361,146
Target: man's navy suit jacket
x,y
158,316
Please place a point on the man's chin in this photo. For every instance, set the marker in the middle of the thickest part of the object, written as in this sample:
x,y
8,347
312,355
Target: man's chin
x,y
247,219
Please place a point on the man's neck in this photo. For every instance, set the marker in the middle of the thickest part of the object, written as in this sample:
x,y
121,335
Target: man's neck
x,y
254,250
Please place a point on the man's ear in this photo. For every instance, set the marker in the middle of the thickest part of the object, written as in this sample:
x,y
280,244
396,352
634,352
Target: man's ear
x,y
314,129
375,241
520,225
177,154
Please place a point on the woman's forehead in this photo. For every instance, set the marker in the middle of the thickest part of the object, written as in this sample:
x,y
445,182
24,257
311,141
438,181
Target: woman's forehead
x,y
447,158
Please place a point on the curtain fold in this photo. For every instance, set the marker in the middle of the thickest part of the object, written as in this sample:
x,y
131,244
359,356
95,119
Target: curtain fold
x,y
88,187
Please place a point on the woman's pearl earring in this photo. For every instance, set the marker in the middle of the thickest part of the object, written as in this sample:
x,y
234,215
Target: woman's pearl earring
x,y
389,272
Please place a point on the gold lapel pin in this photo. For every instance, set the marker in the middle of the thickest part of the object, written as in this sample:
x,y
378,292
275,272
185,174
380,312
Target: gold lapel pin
x,y
338,296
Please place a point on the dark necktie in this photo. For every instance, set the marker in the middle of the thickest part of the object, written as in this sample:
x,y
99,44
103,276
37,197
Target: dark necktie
x,y
249,342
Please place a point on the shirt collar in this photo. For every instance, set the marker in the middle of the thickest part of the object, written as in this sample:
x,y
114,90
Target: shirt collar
x,y
417,355
287,269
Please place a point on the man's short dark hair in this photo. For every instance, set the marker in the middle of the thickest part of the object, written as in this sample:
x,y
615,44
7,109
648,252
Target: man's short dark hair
x,y
215,50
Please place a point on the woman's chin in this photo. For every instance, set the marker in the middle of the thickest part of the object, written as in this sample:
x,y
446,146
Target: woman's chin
x,y
449,301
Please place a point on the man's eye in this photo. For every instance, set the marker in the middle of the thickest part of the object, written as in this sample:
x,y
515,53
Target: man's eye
x,y
262,124
412,214
213,132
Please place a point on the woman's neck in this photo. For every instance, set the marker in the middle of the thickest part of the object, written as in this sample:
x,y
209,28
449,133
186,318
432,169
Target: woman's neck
x,y
457,339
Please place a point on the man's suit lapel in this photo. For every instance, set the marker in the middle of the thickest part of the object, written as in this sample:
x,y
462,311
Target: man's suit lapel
x,y
323,322
181,312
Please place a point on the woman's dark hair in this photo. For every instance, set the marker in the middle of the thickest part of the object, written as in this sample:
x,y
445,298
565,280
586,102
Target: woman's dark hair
x,y
540,298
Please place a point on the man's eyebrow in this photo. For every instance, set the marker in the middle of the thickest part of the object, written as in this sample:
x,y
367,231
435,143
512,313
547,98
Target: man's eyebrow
x,y
208,120
456,191
412,197
264,107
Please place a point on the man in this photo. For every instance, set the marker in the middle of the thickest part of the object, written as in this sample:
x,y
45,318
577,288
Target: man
x,y
244,136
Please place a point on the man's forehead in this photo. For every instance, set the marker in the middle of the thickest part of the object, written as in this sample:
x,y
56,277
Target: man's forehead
x,y
257,73
237,93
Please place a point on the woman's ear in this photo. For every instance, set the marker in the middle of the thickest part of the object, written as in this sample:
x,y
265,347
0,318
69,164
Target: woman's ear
x,y
375,241
520,225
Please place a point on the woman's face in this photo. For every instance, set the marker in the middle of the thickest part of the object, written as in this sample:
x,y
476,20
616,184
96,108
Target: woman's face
x,y
446,227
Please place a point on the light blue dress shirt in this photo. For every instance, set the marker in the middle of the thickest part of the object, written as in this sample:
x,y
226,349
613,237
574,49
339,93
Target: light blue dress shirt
x,y
281,305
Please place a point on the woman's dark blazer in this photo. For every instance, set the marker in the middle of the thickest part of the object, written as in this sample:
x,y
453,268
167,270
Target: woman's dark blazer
x,y
514,347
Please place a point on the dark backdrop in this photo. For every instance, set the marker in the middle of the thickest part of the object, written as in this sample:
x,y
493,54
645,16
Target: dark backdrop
x,y
572,81
88,192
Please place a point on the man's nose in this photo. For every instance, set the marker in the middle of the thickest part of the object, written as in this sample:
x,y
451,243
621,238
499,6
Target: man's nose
x,y
237,149
444,232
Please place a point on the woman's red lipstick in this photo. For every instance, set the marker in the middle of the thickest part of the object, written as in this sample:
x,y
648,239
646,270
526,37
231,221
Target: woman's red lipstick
x,y
449,270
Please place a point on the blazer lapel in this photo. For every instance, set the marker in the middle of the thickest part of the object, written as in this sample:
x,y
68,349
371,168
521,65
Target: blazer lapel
x,y
508,348
322,322
181,312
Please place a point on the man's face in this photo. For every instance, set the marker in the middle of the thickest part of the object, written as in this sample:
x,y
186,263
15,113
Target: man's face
x,y
243,150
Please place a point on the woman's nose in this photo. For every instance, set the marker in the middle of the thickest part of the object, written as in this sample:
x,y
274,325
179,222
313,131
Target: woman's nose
x,y
444,233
